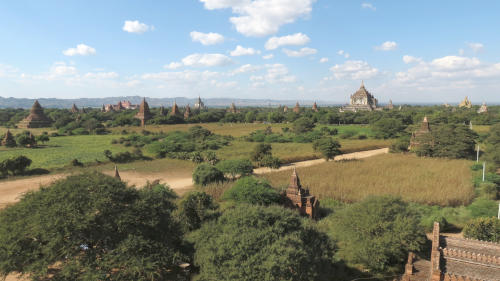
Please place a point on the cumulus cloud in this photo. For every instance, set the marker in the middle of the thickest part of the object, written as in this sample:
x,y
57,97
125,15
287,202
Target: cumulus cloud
x,y
323,60
101,75
173,65
261,17
81,49
206,60
275,73
411,59
241,51
354,69
61,69
296,39
267,57
387,46
206,38
300,53
246,68
476,47
136,27
343,53
370,6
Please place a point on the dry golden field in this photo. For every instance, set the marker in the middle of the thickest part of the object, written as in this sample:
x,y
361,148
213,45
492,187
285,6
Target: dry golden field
x,y
423,180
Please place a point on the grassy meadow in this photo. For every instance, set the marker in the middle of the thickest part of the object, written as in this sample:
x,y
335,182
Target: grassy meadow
x,y
423,180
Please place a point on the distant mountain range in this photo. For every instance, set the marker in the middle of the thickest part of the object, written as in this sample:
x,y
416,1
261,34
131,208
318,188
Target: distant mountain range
x,y
153,102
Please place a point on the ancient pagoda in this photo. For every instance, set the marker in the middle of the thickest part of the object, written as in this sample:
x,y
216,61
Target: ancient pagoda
x,y
36,118
390,106
483,108
74,109
199,105
117,175
300,199
232,108
163,112
361,100
315,107
187,112
465,103
296,109
8,140
144,114
417,136
175,110
285,109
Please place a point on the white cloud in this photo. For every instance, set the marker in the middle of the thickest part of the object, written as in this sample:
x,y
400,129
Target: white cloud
x,y
368,6
476,47
300,53
262,17
323,60
246,68
7,70
411,59
136,27
61,69
81,49
206,60
461,52
133,83
191,76
343,53
276,73
387,46
173,65
454,63
296,39
206,38
267,57
354,69
101,75
240,51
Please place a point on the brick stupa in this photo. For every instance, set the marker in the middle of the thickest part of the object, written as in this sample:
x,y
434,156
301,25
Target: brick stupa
x,y
187,112
144,114
300,199
36,118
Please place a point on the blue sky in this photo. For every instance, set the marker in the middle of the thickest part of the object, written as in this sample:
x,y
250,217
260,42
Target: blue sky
x,y
407,51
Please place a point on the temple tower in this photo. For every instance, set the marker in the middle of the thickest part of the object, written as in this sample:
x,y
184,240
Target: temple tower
x,y
296,109
175,110
144,114
36,118
187,112
299,198
315,107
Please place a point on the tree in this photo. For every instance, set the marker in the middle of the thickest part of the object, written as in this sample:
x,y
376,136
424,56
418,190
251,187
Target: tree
x,y
253,191
486,229
205,173
16,166
493,146
270,162
303,125
328,147
236,167
43,138
386,128
454,141
377,232
195,208
25,139
260,150
262,243
93,227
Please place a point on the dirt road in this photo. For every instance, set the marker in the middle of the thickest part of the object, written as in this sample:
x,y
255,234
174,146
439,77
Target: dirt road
x,y
11,190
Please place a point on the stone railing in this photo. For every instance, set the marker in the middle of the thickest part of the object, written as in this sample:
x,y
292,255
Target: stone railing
x,y
457,253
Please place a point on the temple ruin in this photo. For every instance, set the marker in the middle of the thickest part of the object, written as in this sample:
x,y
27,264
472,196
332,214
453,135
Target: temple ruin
x,y
144,114
483,108
361,100
187,112
465,103
418,136
175,110
299,198
315,107
36,118
296,109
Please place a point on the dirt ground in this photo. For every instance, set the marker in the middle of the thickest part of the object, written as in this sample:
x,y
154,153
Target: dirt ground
x,y
181,183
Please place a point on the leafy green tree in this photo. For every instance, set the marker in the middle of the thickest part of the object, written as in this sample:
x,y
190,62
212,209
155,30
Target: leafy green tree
x,y
236,167
493,146
253,191
93,227
486,229
43,138
250,117
211,157
270,162
303,125
386,128
377,232
454,141
262,243
205,173
195,208
328,147
25,139
16,165
482,207
260,151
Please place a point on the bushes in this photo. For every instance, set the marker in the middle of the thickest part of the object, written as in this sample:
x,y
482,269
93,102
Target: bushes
x,y
483,208
205,173
252,190
262,155
236,167
486,229
124,157
388,128
16,166
195,208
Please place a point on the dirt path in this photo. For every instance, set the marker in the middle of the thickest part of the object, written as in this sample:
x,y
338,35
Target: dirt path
x,y
181,183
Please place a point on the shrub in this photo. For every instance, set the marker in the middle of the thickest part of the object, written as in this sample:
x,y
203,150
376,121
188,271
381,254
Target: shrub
x,y
401,144
328,147
378,232
270,162
262,243
388,128
483,208
303,125
253,191
260,150
25,139
76,163
205,173
236,167
16,166
195,208
488,190
486,229
477,167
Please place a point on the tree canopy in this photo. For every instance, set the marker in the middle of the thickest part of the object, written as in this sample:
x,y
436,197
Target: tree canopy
x,y
92,227
262,243
253,191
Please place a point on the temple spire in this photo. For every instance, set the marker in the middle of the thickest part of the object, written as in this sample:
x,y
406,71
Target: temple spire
x,y
117,175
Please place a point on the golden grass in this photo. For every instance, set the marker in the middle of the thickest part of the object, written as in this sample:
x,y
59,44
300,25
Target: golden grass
x,y
423,180
481,128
